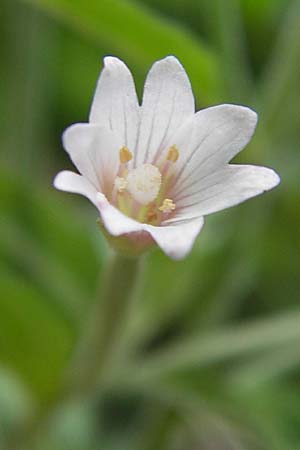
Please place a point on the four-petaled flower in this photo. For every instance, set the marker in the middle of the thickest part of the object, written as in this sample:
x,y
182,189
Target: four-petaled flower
x,y
153,171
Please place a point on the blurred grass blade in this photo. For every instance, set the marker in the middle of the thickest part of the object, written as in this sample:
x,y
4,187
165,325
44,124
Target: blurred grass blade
x,y
267,367
213,348
134,32
41,241
34,340
25,87
283,70
16,403
48,273
230,35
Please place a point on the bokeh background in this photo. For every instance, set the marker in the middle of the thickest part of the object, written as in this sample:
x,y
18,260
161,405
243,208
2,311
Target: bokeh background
x,y
210,358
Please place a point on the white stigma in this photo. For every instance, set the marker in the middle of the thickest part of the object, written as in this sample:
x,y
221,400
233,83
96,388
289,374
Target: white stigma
x,y
143,183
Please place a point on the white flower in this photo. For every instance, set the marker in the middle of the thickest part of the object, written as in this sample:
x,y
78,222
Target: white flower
x,y
153,171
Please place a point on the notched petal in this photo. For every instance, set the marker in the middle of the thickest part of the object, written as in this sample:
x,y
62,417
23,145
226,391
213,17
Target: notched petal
x,y
167,102
115,103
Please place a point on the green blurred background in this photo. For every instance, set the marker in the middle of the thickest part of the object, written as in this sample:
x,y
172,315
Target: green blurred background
x,y
210,358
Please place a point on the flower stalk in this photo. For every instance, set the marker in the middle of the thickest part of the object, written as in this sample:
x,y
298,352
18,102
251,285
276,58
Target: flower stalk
x,y
105,326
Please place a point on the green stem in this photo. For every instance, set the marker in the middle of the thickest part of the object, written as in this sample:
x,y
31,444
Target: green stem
x,y
105,327
94,350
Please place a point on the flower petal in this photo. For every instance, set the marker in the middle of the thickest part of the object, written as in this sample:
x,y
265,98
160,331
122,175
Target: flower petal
x,y
226,187
114,220
209,139
94,150
167,101
115,104
175,240
72,182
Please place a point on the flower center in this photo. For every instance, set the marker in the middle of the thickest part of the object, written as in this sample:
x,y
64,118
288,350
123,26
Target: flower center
x,y
140,192
144,183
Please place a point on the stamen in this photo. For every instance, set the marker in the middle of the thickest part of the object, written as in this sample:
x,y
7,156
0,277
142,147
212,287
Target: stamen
x,y
167,206
120,184
173,154
125,155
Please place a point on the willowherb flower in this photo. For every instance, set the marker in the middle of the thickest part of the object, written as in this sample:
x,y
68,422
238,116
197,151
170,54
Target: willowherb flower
x,y
153,171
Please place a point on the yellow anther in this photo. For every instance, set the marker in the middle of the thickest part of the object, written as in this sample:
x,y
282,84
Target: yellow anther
x,y
125,155
167,206
173,154
120,184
